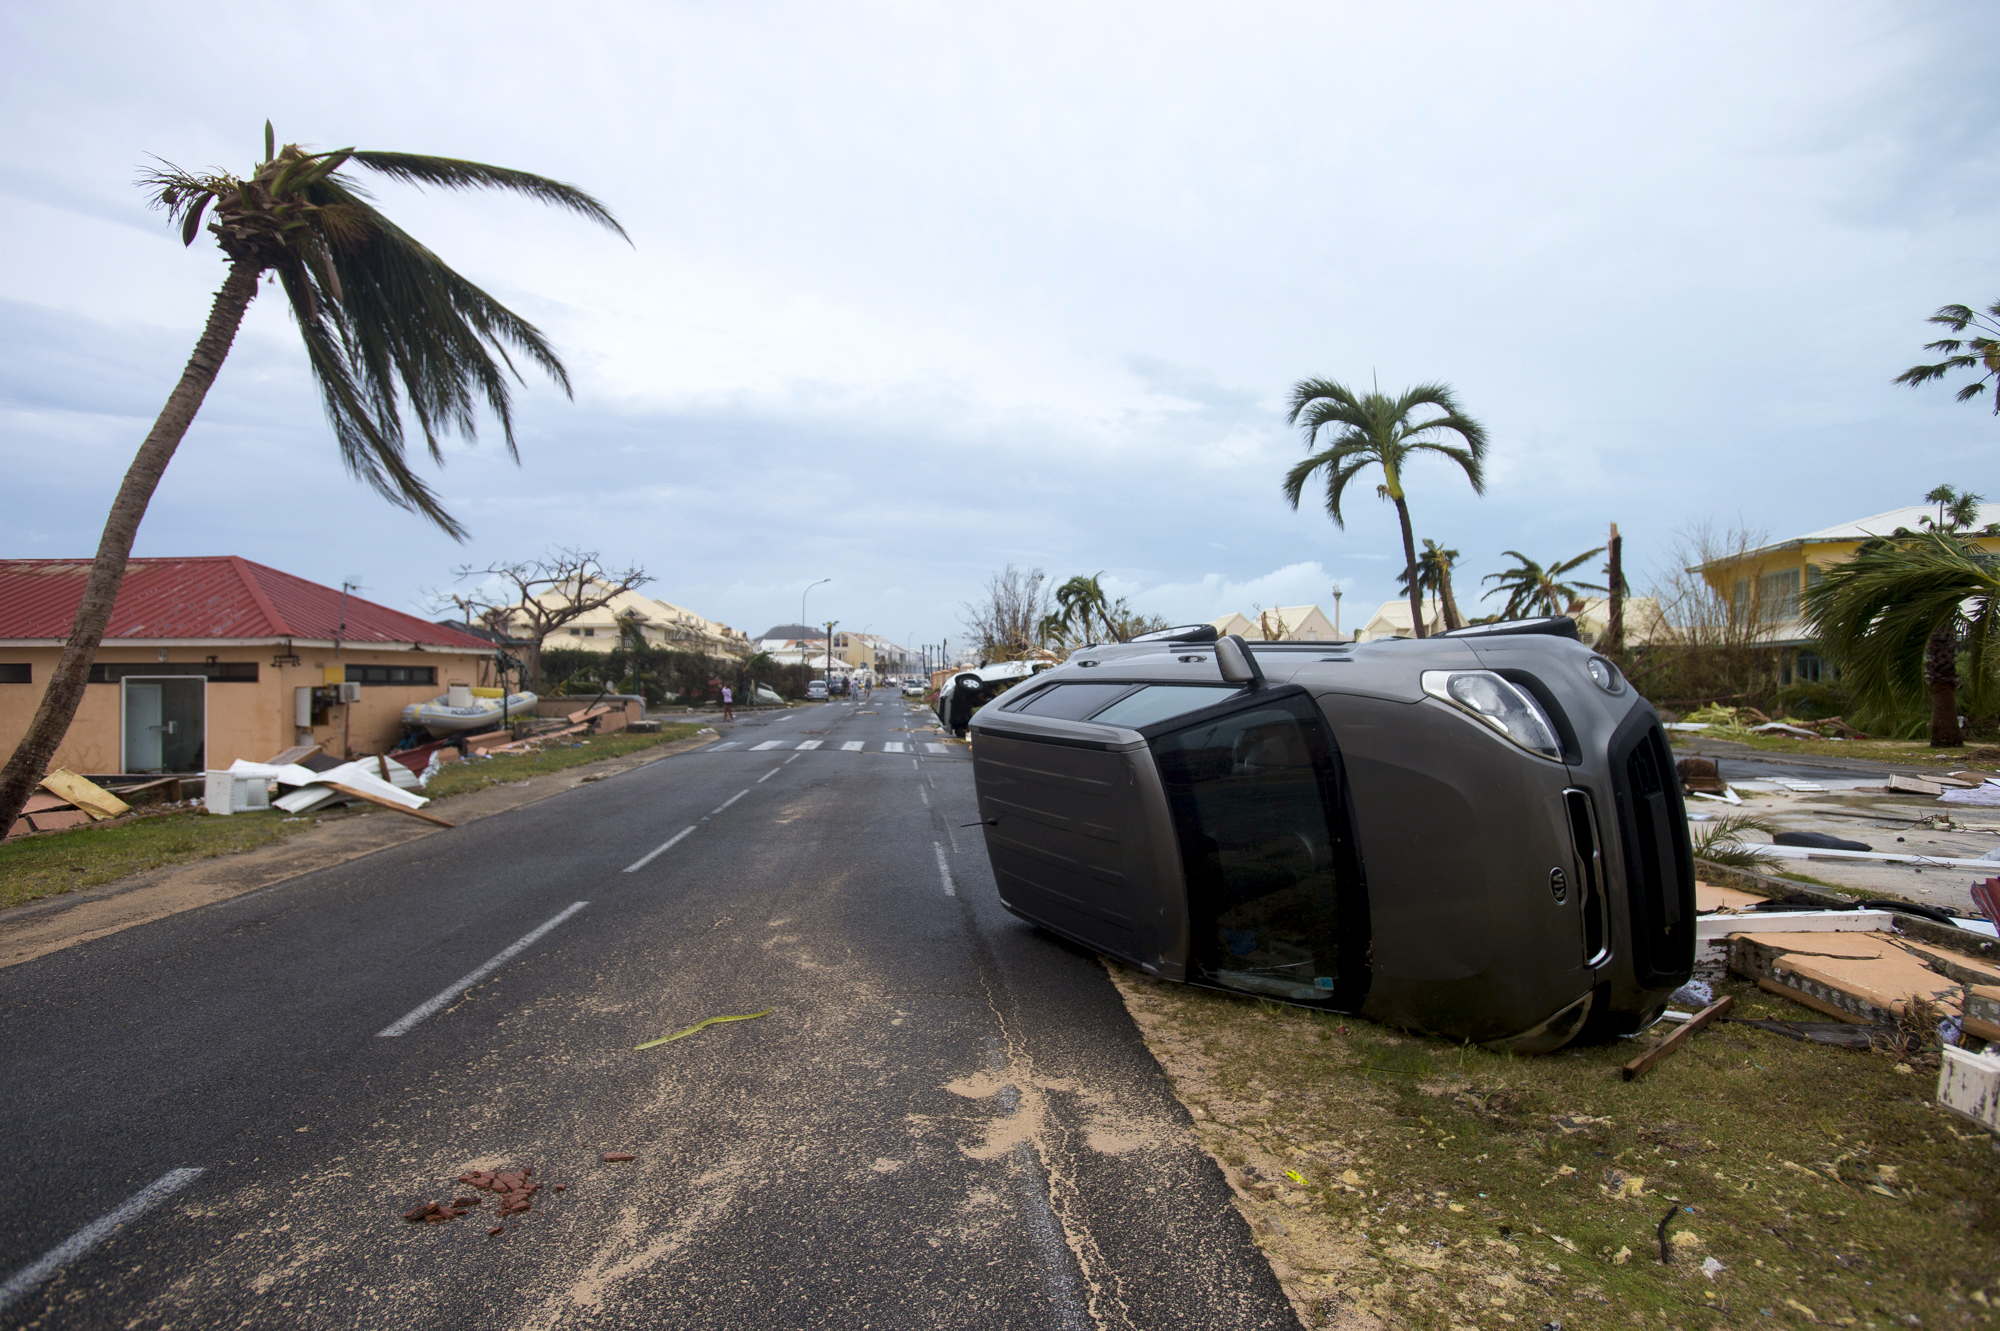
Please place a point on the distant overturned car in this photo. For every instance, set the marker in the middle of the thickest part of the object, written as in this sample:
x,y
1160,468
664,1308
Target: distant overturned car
x,y
1477,834
969,690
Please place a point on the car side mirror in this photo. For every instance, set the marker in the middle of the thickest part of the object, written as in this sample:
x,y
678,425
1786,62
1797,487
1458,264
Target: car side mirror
x,y
1232,654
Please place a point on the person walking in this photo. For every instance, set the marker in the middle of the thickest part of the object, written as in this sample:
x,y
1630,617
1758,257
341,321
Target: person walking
x,y
728,703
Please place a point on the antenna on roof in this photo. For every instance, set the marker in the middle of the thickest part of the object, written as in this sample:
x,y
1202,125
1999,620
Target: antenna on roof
x,y
340,631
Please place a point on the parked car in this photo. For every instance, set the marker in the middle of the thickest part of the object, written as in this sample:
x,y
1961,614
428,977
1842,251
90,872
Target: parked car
x,y
914,688
1478,834
816,690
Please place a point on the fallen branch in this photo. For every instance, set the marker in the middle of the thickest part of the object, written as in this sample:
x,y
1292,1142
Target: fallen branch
x,y
1643,1063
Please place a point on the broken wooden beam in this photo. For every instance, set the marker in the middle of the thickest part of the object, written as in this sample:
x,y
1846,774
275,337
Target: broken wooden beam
x,y
355,792
1640,1065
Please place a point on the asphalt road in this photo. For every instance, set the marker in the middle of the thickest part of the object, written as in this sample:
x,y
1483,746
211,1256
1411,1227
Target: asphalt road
x,y
947,1119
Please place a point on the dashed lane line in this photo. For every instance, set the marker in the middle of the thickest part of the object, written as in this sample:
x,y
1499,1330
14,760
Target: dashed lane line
x,y
421,1013
37,1272
657,851
944,870
726,803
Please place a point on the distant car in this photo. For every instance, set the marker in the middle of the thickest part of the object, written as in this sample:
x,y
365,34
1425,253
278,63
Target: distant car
x,y
816,691
1478,834
914,689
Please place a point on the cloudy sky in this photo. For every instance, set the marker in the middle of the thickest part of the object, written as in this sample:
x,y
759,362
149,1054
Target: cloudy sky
x,y
917,292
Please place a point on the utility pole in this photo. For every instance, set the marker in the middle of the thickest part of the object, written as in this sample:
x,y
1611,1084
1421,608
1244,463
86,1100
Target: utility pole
x,y
829,656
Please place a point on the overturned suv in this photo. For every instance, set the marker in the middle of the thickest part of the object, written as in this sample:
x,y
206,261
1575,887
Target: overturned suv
x,y
1477,834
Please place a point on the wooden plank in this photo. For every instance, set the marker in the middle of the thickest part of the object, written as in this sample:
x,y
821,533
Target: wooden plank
x,y
355,793
55,820
92,798
297,753
1640,1065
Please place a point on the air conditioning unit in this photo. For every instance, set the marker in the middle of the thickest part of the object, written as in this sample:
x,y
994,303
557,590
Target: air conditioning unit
x,y
350,693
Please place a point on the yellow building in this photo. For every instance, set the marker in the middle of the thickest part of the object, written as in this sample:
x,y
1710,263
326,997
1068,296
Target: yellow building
x,y
659,623
1762,586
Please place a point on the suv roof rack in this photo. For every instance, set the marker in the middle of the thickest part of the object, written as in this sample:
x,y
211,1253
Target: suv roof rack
x,y
1554,626
1184,633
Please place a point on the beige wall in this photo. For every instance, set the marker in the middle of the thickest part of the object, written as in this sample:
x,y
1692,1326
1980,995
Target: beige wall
x,y
244,720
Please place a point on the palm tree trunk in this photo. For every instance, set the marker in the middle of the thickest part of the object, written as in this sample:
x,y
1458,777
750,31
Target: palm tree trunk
x,y
26,768
1410,563
1452,619
1941,672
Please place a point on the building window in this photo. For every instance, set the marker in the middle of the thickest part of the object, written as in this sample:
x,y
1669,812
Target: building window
x,y
373,674
590,633
17,674
1778,595
1809,668
216,672
576,633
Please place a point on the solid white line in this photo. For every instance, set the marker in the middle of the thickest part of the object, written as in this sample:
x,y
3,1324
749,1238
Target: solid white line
x,y
726,803
405,1024
810,745
944,871
663,847
767,776
94,1233
852,746
767,744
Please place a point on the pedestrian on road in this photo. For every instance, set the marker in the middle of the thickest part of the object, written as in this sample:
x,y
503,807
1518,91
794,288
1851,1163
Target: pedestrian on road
x,y
728,703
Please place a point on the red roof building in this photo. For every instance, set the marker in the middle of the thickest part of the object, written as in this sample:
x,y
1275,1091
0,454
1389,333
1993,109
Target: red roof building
x,y
208,660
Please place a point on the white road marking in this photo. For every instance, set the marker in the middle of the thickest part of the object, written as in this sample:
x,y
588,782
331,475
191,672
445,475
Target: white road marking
x,y
794,758
767,744
726,803
76,1245
767,776
894,746
944,871
936,748
809,745
658,850
913,766
925,795
727,744
405,1024
852,746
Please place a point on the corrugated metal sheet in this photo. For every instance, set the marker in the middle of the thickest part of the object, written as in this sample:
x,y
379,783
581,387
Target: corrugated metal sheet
x,y
220,597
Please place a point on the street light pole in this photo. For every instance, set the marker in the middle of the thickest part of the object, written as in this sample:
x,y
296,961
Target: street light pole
x,y
802,600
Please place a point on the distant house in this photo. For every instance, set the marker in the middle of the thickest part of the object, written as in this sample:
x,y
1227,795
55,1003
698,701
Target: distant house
x,y
1393,620
213,659
634,614
1764,585
1283,623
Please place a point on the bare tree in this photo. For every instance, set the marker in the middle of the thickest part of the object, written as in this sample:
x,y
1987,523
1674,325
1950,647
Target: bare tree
x,y
542,595
1007,621
1710,643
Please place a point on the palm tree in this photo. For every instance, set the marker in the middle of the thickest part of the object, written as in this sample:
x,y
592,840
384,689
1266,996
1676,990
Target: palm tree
x,y
387,326
1533,589
1078,602
1981,350
1434,578
1957,509
1894,614
1375,429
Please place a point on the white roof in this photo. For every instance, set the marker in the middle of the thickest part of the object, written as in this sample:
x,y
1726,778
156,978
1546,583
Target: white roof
x,y
1882,524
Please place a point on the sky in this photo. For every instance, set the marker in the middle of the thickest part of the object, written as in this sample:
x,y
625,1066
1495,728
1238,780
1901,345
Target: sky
x,y
915,293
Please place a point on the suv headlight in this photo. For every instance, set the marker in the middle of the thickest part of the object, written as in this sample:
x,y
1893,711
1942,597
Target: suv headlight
x,y
1509,710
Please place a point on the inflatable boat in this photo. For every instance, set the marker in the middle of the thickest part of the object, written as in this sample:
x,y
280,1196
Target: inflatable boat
x,y
463,709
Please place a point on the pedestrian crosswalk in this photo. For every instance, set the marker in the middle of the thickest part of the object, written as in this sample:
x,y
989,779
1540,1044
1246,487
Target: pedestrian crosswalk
x,y
846,746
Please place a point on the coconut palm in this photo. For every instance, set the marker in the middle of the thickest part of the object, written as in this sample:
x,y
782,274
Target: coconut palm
x,y
1434,565
1532,589
1895,613
1957,509
1080,601
1374,429
1982,350
388,328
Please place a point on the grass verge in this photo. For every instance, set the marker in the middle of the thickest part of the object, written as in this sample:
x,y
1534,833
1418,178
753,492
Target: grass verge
x,y
43,866
46,866
1398,1180
462,778
1915,752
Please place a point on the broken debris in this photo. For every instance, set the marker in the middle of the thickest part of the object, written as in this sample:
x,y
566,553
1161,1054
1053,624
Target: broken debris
x,y
700,1025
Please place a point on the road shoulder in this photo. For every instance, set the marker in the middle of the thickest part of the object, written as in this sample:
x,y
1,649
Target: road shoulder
x,y
54,923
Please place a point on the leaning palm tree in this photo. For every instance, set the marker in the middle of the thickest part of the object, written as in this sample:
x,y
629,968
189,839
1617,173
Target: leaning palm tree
x,y
1434,565
1981,351
1080,602
1374,429
1532,589
387,327
1894,616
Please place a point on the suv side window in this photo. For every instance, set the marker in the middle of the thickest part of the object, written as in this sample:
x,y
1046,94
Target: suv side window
x,y
1276,903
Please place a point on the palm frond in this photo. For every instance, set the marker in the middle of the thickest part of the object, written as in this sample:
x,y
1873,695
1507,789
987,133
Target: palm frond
x,y
1876,612
452,173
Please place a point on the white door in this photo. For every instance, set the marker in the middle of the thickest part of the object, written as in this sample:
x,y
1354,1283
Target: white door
x,y
144,732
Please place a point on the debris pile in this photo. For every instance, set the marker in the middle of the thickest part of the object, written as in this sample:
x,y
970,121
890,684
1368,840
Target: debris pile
x,y
511,1190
